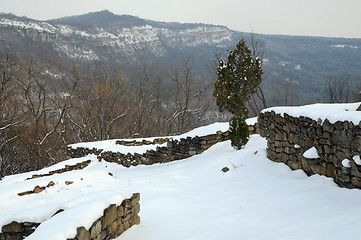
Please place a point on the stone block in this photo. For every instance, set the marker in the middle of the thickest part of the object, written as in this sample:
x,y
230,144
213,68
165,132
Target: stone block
x,y
136,220
114,226
136,209
206,146
306,166
110,214
318,169
95,229
13,227
135,199
120,211
213,141
330,171
356,182
82,234
284,157
126,203
38,189
126,226
121,229
294,165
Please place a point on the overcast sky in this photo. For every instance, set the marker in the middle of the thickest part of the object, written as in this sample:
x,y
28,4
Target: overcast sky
x,y
333,18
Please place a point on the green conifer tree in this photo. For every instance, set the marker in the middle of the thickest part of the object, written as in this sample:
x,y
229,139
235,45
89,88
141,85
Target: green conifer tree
x,y
238,78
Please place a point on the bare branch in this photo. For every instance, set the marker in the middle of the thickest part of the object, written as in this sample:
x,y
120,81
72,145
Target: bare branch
x,y
12,124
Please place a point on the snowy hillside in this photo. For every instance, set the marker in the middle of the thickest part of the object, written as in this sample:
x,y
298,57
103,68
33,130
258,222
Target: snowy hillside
x,y
190,199
127,40
68,36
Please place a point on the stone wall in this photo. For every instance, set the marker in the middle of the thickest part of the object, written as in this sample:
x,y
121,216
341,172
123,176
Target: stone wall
x,y
115,221
175,150
67,168
17,231
338,146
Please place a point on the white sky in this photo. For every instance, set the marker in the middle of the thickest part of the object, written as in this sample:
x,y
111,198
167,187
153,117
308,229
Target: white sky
x,y
333,18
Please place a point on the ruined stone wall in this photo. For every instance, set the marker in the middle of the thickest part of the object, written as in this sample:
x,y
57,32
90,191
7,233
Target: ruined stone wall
x,y
175,150
17,231
115,221
338,146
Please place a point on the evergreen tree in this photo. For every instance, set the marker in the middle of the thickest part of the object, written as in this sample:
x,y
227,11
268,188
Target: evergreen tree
x,y
238,79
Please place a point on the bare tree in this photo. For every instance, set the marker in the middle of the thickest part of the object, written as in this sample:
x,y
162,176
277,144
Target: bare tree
x,y
189,102
9,114
338,89
100,103
285,88
258,48
357,91
148,111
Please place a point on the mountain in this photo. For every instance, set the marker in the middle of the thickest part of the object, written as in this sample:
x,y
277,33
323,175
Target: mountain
x,y
104,36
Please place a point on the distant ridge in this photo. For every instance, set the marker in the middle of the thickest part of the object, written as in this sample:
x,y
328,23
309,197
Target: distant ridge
x,y
110,38
100,18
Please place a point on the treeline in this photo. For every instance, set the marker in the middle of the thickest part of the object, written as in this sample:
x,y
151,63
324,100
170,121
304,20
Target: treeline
x,y
44,107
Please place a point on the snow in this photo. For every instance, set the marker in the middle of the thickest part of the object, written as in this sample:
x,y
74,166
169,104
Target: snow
x,y
191,199
357,160
321,111
346,163
311,153
343,46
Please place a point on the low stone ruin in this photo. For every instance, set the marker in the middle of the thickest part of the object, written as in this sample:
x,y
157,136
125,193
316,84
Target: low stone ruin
x,y
175,150
67,168
338,146
115,221
17,231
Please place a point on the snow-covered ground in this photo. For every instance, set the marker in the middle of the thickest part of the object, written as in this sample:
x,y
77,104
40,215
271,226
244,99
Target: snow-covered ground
x,y
191,199
322,111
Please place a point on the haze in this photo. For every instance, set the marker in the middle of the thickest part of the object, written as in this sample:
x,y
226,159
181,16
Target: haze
x,y
332,18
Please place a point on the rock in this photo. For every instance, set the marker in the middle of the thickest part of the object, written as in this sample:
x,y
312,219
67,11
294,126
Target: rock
x,y
13,227
114,226
136,220
330,171
359,108
95,229
356,182
110,214
135,199
120,211
38,189
68,182
306,166
50,184
136,209
82,234
59,211
225,169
